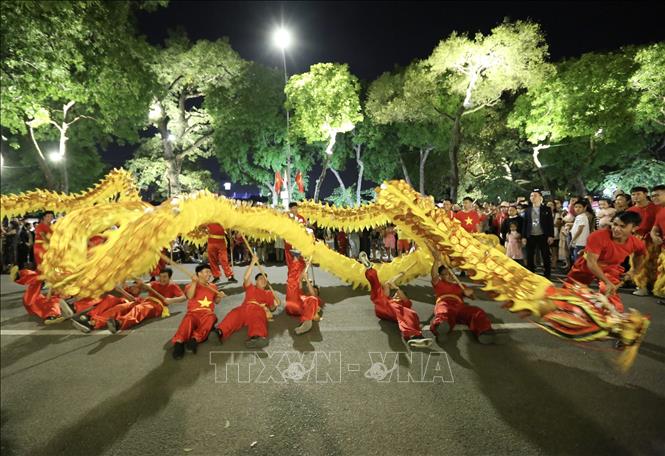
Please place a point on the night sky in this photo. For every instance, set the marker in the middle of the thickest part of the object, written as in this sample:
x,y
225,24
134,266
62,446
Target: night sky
x,y
372,37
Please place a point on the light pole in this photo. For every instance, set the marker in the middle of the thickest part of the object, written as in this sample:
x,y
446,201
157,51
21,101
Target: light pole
x,y
282,39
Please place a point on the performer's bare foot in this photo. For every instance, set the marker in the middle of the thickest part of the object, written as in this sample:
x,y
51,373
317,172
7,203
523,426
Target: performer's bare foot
x,y
192,345
256,342
304,327
364,260
232,280
178,350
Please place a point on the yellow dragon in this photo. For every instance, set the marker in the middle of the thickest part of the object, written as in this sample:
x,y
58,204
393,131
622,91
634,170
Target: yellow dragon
x,y
136,232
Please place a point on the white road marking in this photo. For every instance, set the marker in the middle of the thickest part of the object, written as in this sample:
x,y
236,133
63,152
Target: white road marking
x,y
73,332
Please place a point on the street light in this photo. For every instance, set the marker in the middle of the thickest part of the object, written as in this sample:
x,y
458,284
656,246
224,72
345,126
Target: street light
x,y
281,38
227,186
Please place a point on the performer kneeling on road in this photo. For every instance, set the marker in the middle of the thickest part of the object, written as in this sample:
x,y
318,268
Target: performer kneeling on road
x,y
397,308
200,317
254,312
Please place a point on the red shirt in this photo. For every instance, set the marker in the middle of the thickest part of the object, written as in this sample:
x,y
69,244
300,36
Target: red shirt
x,y
660,221
170,290
254,294
216,234
611,253
41,232
648,214
203,299
469,220
441,287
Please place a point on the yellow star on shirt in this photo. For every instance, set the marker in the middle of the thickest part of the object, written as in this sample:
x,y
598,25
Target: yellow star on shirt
x,y
468,221
204,302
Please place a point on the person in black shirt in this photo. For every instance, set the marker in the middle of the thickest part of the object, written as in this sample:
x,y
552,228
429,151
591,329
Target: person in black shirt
x,y
538,232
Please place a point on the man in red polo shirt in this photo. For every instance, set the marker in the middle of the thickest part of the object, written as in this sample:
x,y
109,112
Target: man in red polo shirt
x,y
42,235
646,274
469,217
254,312
200,317
217,253
604,252
657,235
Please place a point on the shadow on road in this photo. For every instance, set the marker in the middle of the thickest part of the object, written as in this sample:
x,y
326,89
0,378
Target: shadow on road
x,y
566,410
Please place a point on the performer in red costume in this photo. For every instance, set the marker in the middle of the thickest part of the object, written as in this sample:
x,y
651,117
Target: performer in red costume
x,y
305,306
605,250
469,217
451,309
200,317
254,312
644,276
51,309
217,253
397,308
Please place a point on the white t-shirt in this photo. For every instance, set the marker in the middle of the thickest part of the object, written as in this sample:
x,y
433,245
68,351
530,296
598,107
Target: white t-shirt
x,y
581,221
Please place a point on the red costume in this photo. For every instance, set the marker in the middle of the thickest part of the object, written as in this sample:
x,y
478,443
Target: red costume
x,y
469,220
611,255
217,251
34,301
648,214
200,316
392,309
450,307
251,313
42,233
297,304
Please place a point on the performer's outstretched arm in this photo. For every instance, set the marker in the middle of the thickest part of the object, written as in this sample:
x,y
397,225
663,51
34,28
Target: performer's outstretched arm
x,y
247,279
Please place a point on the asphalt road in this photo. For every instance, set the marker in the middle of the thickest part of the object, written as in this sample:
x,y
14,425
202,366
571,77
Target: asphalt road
x,y
347,387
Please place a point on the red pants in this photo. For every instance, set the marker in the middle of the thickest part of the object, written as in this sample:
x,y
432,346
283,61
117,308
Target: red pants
x,y
296,266
306,307
195,325
217,255
110,307
580,273
34,301
138,312
454,311
250,315
392,309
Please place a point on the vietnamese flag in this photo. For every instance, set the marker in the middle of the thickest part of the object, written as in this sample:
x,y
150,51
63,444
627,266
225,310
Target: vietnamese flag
x,y
299,182
278,182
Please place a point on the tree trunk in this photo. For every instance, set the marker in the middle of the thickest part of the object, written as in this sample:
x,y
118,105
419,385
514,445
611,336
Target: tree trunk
x,y
343,187
51,183
404,170
453,152
361,170
319,181
173,164
424,153
579,185
63,160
